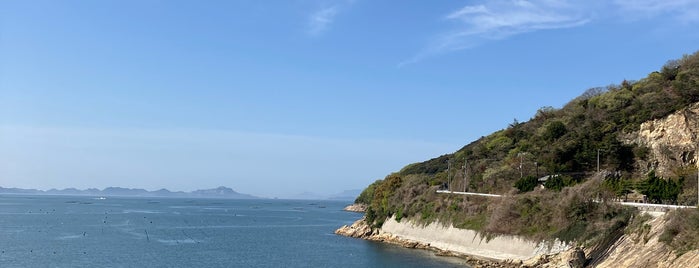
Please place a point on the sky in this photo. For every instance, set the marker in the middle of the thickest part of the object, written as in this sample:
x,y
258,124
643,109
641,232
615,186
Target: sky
x,y
275,98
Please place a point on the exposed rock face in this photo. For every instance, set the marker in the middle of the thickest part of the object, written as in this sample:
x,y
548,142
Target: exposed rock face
x,y
673,141
567,259
632,250
576,258
358,229
361,208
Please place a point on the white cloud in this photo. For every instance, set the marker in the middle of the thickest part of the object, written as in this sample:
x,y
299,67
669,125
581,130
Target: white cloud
x,y
467,10
497,20
500,20
320,20
683,10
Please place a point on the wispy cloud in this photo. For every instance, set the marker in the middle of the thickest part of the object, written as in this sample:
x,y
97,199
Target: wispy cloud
x,y
500,20
683,10
497,20
321,19
476,24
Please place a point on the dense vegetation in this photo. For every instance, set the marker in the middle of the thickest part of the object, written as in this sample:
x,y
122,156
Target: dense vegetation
x,y
565,145
574,214
567,140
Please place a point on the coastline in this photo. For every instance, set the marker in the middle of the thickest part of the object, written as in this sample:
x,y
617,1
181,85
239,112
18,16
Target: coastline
x,y
359,208
630,250
474,256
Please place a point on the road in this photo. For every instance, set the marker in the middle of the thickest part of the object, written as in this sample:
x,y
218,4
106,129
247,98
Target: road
x,y
467,193
640,206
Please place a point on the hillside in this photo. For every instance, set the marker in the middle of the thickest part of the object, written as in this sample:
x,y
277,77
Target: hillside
x,y
640,134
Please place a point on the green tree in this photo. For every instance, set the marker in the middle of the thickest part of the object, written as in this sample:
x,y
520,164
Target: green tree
x,y
554,130
367,195
659,190
381,206
526,184
557,182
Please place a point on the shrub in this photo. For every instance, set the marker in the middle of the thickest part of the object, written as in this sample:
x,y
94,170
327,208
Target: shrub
x,y
659,190
554,130
367,194
569,215
681,231
526,184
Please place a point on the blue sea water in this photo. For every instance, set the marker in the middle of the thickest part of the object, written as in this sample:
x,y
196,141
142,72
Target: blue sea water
x,y
79,231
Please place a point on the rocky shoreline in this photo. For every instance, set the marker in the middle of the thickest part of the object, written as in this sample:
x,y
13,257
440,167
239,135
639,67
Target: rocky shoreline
x,y
360,229
630,250
359,208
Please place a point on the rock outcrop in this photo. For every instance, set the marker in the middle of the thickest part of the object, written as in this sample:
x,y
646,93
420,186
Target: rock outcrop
x,y
672,140
358,229
644,250
361,208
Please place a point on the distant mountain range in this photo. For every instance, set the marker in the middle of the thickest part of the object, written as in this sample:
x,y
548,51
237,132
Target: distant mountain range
x,y
220,192
346,195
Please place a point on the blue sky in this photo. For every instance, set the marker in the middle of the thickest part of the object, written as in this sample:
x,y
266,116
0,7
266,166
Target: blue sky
x,y
275,98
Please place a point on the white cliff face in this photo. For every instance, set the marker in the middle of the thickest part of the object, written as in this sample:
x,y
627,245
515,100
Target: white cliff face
x,y
673,141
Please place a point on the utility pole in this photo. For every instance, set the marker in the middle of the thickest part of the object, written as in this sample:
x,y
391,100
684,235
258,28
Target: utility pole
x,y
448,178
598,160
465,182
537,169
521,163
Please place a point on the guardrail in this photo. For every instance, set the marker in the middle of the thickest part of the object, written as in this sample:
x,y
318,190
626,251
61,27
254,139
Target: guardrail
x,y
467,193
653,207
640,206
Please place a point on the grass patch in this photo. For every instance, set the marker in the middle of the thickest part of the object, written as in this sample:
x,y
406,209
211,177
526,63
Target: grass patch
x,y
572,232
639,227
682,230
476,222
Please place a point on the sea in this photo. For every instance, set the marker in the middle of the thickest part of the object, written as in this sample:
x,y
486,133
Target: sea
x,y
82,231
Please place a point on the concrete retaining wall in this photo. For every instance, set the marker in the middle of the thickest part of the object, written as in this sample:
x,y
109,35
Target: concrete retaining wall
x,y
470,242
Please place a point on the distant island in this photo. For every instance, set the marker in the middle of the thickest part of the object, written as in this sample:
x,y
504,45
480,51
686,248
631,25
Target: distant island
x,y
346,195
219,192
